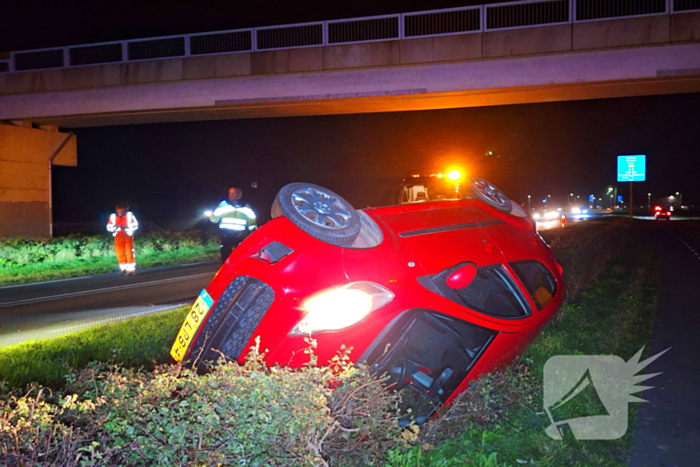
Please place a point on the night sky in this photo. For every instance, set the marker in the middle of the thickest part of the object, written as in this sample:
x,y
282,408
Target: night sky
x,y
169,171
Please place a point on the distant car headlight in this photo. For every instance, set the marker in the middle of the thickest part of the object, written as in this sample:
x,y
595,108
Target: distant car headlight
x,y
576,211
536,215
341,307
551,215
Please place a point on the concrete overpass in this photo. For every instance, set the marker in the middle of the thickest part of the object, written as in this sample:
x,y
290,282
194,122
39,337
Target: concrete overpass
x,y
496,60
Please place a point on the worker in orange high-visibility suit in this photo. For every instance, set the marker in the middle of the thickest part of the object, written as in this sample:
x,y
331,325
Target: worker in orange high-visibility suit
x,y
122,225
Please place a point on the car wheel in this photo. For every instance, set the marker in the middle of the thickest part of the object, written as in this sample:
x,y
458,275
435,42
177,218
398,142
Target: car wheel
x,y
318,211
488,193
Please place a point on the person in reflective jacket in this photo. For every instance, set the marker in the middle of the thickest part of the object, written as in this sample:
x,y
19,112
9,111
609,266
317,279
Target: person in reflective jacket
x,y
122,224
236,221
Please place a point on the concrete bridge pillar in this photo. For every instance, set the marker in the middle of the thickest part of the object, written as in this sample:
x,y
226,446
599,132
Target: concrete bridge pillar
x,y
26,157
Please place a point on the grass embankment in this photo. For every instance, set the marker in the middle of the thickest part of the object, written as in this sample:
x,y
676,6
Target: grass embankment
x,y
142,342
23,260
116,416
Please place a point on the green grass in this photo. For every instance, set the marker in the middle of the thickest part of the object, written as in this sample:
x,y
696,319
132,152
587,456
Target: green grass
x,y
141,342
23,260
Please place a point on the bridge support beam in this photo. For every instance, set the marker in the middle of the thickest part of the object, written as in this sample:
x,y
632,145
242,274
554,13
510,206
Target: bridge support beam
x,y
26,157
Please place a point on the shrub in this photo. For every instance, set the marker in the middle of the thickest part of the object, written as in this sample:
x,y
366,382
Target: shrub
x,y
245,415
24,260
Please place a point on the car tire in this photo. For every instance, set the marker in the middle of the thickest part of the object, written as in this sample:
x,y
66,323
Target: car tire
x,y
490,194
318,211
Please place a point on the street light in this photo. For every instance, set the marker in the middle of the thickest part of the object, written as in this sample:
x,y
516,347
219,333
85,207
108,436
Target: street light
x,y
528,203
649,200
680,195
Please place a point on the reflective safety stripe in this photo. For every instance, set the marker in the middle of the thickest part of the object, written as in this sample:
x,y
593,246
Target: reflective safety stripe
x,y
224,210
251,227
232,227
246,211
233,220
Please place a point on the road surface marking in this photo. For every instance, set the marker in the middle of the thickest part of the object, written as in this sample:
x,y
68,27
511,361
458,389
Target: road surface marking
x,y
102,290
119,318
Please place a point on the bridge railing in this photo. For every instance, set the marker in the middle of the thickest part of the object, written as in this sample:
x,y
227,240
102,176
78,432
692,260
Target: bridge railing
x,y
451,21
443,22
514,15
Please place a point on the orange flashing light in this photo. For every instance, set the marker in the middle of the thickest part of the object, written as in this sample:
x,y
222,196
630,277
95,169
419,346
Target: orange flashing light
x,y
454,175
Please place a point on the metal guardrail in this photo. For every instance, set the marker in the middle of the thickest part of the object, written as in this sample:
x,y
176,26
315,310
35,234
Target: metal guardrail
x,y
108,52
369,29
465,20
527,14
290,36
442,22
587,10
683,6
240,40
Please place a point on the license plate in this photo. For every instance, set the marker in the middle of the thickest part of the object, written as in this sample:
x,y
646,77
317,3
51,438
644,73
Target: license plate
x,y
193,320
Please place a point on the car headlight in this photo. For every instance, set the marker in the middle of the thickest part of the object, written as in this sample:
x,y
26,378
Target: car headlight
x,y
341,307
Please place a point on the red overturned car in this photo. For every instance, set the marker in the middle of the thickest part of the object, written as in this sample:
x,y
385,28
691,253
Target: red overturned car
x,y
431,294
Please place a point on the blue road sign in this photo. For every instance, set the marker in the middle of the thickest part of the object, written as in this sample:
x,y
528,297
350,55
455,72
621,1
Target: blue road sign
x,y
591,198
631,168
619,198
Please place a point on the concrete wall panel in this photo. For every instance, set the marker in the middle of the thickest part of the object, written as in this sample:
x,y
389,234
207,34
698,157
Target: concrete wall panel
x,y
385,53
24,219
69,153
527,41
153,71
287,61
64,79
441,49
622,32
217,66
27,145
24,178
685,27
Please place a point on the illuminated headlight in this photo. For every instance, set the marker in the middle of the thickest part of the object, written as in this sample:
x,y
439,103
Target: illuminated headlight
x,y
341,307
536,215
551,215
576,210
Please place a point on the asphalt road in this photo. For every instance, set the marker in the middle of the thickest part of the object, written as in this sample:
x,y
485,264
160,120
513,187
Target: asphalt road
x,y
668,426
49,309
